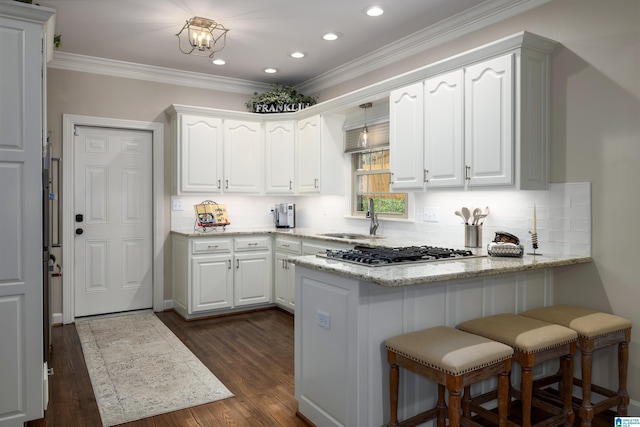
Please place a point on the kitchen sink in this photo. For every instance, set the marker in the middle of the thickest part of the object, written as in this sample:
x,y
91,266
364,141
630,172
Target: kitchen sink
x,y
350,236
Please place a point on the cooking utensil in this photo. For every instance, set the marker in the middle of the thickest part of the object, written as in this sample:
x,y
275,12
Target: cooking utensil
x,y
460,215
476,216
484,214
466,214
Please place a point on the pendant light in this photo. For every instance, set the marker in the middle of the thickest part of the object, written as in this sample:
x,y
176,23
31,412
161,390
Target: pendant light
x,y
364,134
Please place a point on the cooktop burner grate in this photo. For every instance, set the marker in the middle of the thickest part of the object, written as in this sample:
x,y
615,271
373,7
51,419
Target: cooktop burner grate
x,y
381,256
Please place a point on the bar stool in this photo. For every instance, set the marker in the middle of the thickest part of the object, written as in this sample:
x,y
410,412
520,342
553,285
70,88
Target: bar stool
x,y
454,359
595,330
533,342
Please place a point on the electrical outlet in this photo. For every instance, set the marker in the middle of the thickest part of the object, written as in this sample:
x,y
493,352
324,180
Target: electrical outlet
x,y
431,214
324,320
177,205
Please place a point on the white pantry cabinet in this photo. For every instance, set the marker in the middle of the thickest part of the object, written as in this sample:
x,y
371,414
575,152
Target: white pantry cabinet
x,y
485,124
280,157
219,274
23,371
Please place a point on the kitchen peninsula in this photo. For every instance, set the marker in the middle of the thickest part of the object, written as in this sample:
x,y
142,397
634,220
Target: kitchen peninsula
x,y
345,312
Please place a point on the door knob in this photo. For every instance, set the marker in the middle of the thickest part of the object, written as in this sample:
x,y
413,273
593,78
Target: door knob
x,y
79,231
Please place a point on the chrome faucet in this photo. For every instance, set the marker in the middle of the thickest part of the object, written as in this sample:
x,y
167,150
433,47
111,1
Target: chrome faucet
x,y
374,218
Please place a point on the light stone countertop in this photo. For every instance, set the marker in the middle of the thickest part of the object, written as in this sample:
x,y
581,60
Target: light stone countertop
x,y
437,271
407,274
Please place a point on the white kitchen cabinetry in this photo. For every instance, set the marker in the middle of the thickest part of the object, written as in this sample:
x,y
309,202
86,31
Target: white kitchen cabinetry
x,y
284,286
280,157
243,156
484,125
214,274
444,130
212,154
197,153
319,155
406,136
23,372
489,121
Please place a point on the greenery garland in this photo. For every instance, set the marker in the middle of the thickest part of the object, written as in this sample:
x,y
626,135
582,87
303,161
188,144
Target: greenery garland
x,y
279,95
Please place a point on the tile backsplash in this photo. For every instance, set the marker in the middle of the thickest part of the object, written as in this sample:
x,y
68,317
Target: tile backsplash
x,y
563,215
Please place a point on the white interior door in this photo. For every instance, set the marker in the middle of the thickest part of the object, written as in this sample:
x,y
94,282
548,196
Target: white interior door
x,y
113,208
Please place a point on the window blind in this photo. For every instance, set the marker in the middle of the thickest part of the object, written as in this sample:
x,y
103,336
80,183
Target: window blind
x,y
378,138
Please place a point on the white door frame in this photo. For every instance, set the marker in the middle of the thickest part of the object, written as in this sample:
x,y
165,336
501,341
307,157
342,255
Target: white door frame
x,y
68,241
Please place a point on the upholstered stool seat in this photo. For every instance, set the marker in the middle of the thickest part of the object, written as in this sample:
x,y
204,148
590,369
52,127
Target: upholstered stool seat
x,y
453,359
533,342
595,330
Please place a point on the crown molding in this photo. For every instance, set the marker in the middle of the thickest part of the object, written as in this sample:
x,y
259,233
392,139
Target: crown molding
x,y
481,16
485,14
130,70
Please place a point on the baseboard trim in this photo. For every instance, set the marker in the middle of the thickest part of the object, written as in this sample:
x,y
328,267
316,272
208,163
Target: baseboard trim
x,y
168,304
56,319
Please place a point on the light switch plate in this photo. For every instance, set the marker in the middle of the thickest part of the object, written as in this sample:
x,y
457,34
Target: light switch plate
x,y
177,205
431,214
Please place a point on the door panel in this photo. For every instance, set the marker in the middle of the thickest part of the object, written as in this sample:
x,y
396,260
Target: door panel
x,y
113,193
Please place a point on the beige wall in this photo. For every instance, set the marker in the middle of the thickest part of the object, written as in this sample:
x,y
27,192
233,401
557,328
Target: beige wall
x,y
595,131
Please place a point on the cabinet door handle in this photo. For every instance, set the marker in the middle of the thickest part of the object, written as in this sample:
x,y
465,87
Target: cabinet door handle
x,y
424,175
290,185
229,264
219,184
284,267
284,245
315,182
237,264
252,244
226,184
212,246
467,173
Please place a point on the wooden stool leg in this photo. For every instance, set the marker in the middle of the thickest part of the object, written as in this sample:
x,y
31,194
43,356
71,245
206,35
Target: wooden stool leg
x,y
394,385
441,405
454,408
623,366
503,398
567,387
526,388
466,402
586,410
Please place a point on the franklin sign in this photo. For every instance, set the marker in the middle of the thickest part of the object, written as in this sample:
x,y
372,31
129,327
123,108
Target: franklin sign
x,y
280,108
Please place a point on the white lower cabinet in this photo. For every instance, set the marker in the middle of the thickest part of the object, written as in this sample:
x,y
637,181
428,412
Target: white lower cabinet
x,y
284,272
220,274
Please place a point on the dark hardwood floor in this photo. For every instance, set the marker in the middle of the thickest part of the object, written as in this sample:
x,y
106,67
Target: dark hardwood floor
x,y
252,354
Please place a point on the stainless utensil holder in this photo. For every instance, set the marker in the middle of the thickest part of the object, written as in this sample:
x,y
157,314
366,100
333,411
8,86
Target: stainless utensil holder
x,y
473,236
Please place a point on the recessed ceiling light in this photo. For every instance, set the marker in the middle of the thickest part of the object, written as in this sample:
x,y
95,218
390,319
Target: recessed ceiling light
x,y
219,61
331,36
297,55
270,70
374,11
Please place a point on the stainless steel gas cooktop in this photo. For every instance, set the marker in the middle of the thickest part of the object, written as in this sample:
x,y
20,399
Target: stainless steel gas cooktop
x,y
385,256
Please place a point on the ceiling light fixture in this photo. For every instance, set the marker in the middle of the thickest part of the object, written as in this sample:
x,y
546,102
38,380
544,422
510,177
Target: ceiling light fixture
x,y
364,134
202,37
374,11
297,55
219,61
331,36
270,70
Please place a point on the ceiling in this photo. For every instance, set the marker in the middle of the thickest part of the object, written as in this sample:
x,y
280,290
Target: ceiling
x,y
262,33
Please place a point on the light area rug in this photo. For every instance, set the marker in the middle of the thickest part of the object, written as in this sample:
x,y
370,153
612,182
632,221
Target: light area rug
x,y
139,368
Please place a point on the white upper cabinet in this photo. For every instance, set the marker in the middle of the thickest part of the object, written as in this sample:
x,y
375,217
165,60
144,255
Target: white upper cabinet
x,y
198,152
406,137
484,125
279,156
319,155
489,120
308,155
243,156
444,130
